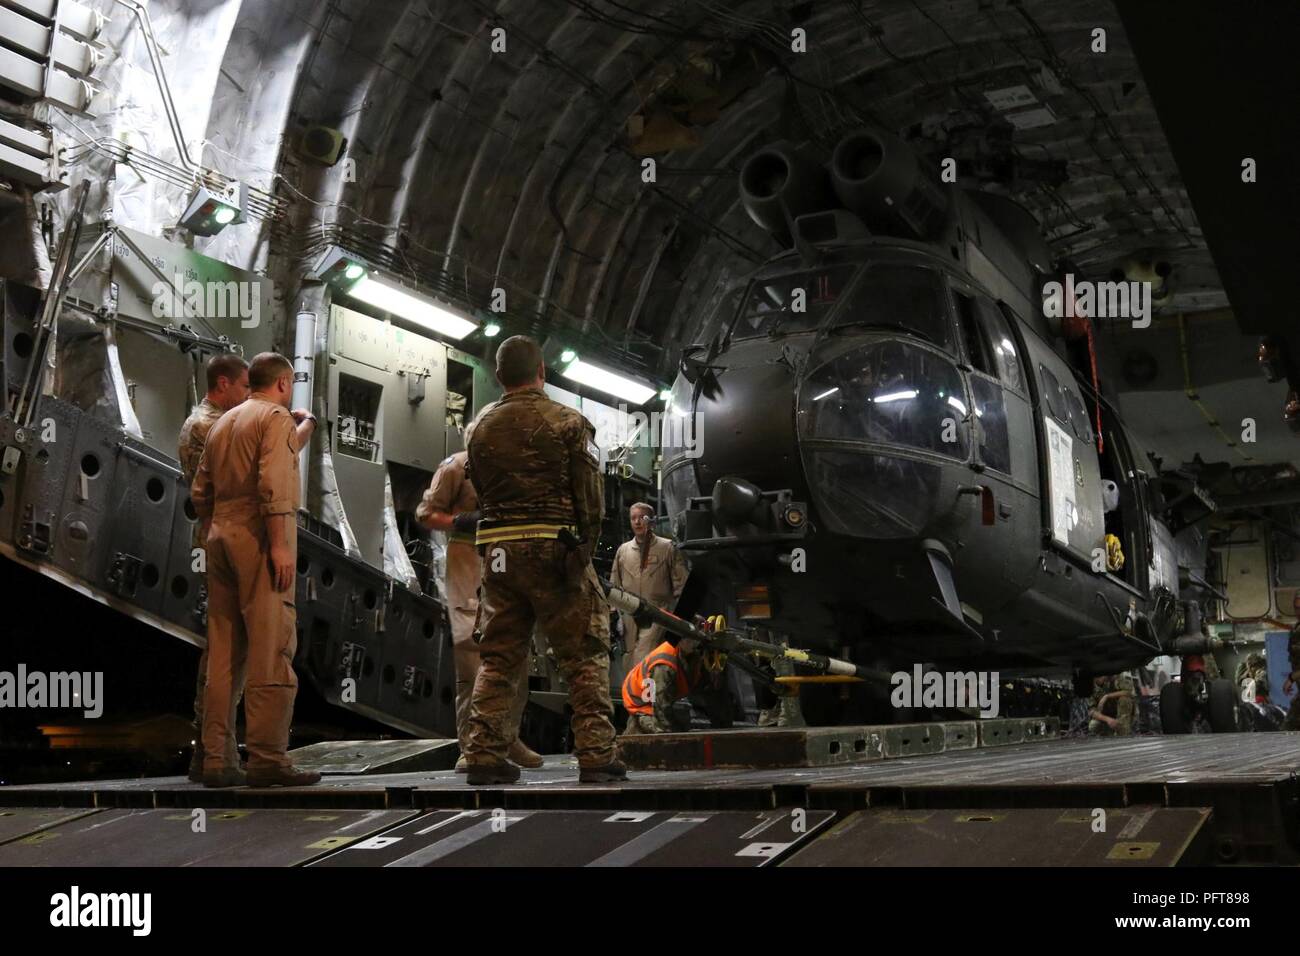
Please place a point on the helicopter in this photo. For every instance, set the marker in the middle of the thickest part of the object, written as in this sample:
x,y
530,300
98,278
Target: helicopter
x,y
899,458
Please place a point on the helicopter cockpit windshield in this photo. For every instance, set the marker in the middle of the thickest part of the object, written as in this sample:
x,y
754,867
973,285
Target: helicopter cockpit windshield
x,y
892,295
891,389
792,302
888,392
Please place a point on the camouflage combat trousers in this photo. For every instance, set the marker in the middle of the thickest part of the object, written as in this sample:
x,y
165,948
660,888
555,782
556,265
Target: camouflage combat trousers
x,y
528,583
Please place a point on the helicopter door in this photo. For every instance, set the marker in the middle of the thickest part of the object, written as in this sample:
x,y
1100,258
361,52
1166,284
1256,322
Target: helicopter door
x,y
1002,419
1074,516
1001,430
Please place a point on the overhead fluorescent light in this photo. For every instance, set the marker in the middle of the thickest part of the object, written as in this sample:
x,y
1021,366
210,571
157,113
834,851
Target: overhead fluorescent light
x,y
611,383
903,396
411,306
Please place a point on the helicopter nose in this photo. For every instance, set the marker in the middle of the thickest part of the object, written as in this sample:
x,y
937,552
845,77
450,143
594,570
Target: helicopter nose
x,y
747,422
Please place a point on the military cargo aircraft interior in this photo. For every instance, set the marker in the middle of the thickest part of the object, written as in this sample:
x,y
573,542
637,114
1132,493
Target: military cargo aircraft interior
x,y
664,433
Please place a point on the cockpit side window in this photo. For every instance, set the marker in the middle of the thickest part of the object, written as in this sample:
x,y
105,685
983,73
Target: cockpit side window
x,y
795,302
904,297
978,349
998,322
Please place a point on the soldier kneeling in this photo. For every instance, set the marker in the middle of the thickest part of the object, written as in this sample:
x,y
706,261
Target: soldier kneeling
x,y
664,677
1110,711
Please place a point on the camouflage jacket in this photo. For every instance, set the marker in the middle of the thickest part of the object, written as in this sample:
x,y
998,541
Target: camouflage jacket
x,y
533,459
1121,708
194,435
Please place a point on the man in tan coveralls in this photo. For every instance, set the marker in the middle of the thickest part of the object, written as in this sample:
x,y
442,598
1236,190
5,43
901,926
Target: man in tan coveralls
x,y
533,463
652,569
227,380
246,493
450,505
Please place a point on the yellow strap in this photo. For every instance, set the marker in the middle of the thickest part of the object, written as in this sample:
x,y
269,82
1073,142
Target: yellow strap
x,y
819,679
518,532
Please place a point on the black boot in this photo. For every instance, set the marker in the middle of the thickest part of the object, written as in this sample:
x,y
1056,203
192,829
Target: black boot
x,y
610,773
484,775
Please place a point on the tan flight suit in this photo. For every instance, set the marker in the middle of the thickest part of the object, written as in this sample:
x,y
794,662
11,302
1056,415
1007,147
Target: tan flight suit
x,y
451,493
194,435
659,580
248,473
533,463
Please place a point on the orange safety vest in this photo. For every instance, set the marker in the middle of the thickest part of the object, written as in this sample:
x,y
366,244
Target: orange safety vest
x,y
634,684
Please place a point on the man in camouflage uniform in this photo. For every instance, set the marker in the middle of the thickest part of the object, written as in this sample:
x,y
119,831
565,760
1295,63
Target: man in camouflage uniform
x,y
1252,677
227,380
533,462
450,505
1292,721
1111,707
673,673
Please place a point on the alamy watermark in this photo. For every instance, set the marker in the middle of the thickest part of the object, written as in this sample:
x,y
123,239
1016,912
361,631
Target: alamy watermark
x,y
946,689
57,690
673,429
212,299
1099,300
77,909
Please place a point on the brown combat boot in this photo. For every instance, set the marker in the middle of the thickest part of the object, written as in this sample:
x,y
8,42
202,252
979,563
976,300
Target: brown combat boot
x,y
288,776
225,777
610,773
487,774
462,765
523,755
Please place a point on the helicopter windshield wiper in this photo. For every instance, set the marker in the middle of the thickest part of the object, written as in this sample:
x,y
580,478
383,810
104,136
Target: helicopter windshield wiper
x,y
888,326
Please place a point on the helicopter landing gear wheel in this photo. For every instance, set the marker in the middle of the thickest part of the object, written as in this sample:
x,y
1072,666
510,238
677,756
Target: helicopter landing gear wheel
x,y
1175,715
1224,713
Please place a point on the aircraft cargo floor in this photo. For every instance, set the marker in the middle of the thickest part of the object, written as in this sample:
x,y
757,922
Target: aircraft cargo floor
x,y
1143,801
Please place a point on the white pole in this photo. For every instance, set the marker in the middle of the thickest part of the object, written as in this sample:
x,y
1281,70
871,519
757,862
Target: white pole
x,y
304,363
